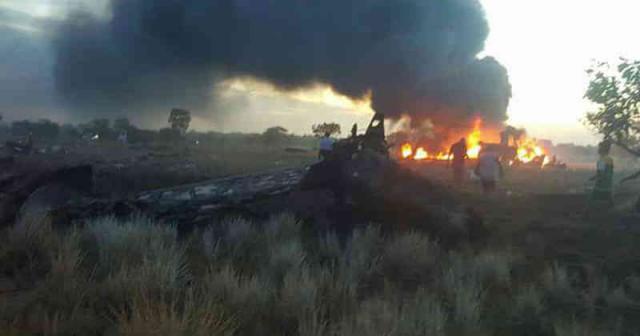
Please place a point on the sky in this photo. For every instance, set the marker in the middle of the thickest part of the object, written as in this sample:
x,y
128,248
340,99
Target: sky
x,y
546,46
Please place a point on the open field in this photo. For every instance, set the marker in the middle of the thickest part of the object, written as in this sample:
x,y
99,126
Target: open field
x,y
552,264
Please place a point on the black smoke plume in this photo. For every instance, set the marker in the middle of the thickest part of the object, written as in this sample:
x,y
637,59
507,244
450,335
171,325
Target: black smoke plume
x,y
416,57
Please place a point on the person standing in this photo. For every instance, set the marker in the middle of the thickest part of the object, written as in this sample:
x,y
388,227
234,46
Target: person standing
x,y
457,156
489,170
326,146
603,188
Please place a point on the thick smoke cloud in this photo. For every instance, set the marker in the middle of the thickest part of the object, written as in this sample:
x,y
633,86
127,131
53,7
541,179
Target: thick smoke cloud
x,y
412,56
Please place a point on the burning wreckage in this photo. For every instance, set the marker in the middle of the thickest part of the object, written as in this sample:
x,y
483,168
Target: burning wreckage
x,y
357,184
513,147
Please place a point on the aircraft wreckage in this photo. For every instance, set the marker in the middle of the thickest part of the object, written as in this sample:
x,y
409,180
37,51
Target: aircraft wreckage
x,y
357,185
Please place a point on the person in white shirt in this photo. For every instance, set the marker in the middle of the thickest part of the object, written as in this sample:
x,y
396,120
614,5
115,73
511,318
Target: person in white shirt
x,y
326,146
489,170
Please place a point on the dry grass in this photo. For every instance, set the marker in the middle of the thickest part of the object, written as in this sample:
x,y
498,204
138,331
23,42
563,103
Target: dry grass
x,y
575,328
246,297
410,258
467,295
243,278
195,314
423,315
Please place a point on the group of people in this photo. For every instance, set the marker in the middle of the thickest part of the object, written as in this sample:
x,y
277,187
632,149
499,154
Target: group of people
x,y
488,168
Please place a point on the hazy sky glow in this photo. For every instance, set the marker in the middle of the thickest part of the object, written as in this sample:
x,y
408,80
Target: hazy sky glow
x,y
546,46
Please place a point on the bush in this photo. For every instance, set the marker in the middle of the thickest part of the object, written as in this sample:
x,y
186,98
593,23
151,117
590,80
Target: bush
x,y
575,328
284,257
423,315
375,316
527,313
243,245
559,293
283,227
246,297
134,242
299,294
490,268
136,256
362,256
466,295
410,259
195,314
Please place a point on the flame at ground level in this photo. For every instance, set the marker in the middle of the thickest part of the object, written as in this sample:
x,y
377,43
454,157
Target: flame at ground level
x,y
421,154
527,150
525,153
407,151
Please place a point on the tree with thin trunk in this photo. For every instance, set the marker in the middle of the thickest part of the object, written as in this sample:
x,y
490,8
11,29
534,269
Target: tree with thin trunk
x,y
615,92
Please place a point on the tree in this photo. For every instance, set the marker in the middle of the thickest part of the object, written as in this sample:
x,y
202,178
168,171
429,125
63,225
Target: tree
x,y
615,90
616,93
274,135
322,129
179,120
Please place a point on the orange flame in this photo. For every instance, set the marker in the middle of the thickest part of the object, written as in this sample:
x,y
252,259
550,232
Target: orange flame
x,y
407,151
473,140
421,154
527,151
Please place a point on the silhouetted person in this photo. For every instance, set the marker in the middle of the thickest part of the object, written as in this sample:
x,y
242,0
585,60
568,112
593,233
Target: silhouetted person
x,y
458,155
326,146
489,170
603,188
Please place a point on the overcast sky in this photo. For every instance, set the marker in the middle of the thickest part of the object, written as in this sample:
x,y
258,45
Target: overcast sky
x,y
545,45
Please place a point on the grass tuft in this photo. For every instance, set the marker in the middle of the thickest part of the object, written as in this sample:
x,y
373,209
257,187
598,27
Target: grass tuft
x,y
195,315
410,258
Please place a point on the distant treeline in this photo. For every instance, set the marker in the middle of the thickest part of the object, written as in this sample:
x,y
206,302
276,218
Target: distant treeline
x,y
45,130
106,130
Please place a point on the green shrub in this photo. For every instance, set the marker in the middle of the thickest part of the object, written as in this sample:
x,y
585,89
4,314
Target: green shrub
x,y
575,328
243,245
283,257
195,314
133,242
299,293
361,259
375,316
283,227
25,252
559,293
245,296
422,315
466,296
410,259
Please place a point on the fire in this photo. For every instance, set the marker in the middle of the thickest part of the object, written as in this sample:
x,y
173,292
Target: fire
x,y
473,140
529,151
407,151
473,147
421,154
526,151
